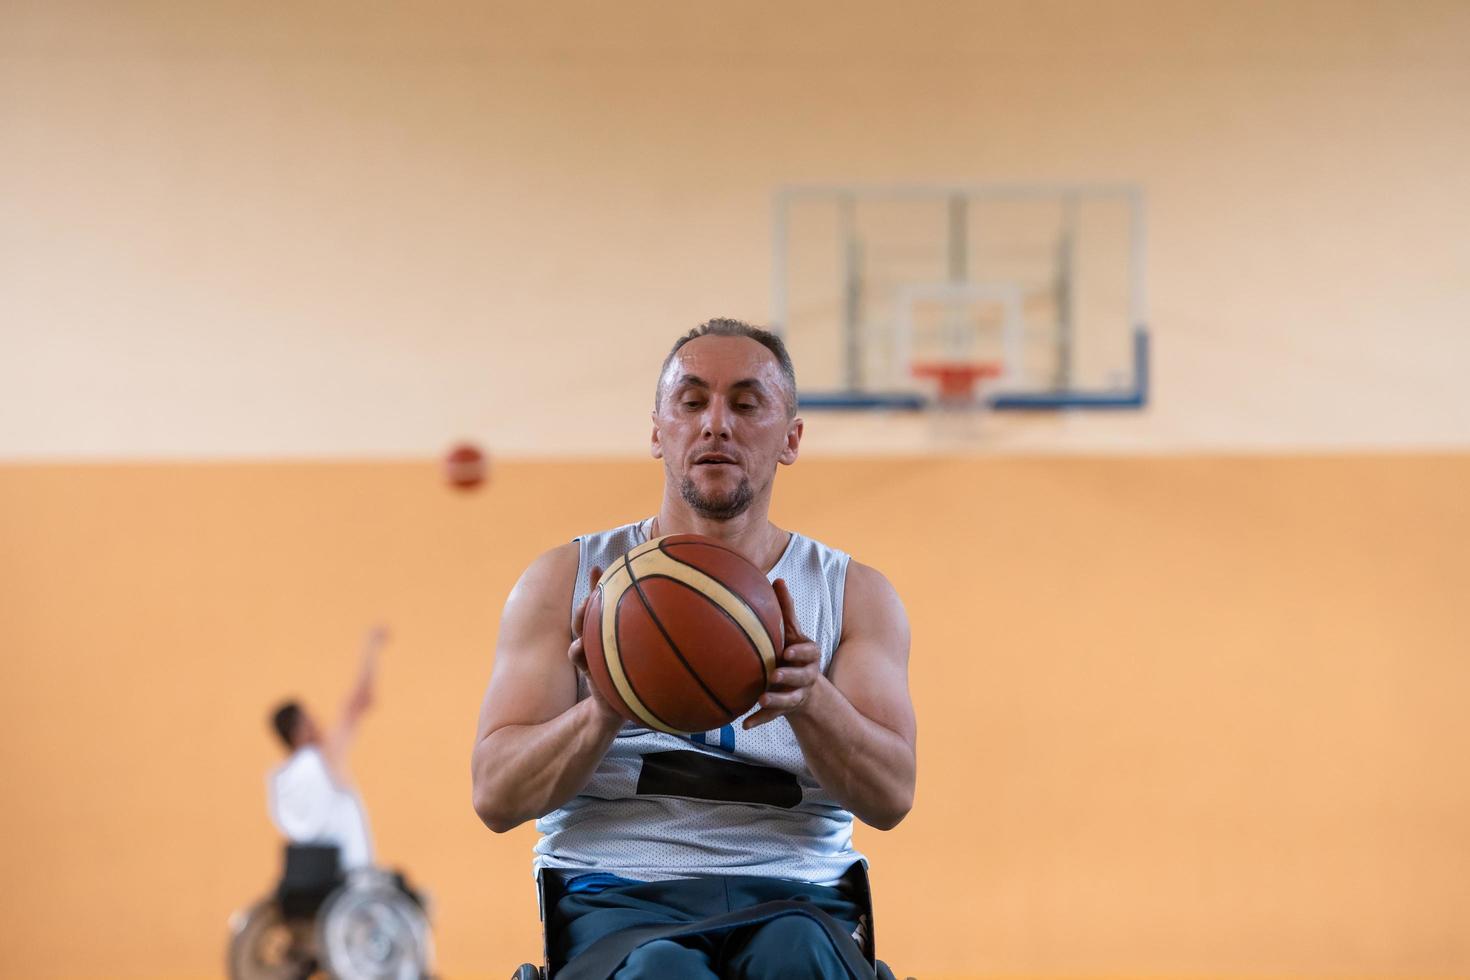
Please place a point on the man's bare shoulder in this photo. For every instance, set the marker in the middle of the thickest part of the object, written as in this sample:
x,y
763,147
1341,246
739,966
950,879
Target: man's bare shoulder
x,y
548,580
867,582
871,603
558,562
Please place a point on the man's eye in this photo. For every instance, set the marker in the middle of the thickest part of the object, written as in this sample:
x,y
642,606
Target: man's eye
x,y
746,406
689,403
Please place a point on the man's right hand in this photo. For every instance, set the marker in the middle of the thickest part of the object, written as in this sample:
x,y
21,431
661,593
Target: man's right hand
x,y
578,655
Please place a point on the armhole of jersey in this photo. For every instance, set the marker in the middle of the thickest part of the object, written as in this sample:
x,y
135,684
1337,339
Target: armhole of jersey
x,y
839,600
577,582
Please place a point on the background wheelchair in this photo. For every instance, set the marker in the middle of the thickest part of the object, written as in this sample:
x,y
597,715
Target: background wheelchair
x,y
550,889
365,925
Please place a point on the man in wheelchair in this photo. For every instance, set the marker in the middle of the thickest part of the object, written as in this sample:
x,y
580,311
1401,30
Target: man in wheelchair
x,y
728,853
332,911
311,795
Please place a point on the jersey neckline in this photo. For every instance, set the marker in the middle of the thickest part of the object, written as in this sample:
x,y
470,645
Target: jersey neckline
x,y
645,526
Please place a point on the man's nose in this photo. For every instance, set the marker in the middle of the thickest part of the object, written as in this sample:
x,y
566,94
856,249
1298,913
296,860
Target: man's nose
x,y
716,420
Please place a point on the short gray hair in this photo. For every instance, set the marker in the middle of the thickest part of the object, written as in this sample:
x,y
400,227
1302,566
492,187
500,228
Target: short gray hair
x,y
723,327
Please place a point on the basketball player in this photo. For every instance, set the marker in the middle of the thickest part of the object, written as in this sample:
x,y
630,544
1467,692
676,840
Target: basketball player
x,y
756,812
311,794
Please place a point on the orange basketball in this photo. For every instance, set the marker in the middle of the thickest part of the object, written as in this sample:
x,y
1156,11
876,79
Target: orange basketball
x,y
465,466
681,634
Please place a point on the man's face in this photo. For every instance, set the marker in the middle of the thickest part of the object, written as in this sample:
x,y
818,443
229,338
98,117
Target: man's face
x,y
722,424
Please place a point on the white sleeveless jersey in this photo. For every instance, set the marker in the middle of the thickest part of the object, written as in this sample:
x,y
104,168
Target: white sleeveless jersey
x,y
728,801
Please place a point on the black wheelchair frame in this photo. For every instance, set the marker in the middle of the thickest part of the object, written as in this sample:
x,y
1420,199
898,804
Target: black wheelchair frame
x,y
550,887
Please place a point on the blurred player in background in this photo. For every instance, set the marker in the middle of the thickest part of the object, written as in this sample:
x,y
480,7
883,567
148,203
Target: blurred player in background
x,y
312,796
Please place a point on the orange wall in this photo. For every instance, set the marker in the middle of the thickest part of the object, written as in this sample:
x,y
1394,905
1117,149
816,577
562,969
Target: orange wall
x,y
1184,716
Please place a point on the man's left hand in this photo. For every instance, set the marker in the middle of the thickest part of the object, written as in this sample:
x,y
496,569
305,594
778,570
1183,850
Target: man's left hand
x,y
798,668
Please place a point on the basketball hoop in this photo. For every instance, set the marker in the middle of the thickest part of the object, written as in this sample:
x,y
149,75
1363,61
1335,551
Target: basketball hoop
x,y
958,381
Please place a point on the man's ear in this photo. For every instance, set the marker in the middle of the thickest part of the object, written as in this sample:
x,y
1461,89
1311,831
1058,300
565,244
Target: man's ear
x,y
792,449
655,448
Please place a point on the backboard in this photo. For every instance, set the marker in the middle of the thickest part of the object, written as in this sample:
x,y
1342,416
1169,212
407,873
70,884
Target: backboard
x,y
1045,282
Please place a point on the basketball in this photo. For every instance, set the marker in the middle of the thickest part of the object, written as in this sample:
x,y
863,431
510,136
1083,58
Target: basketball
x,y
464,466
681,634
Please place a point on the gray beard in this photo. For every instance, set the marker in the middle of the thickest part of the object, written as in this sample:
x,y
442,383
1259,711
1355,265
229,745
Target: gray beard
x,y
724,508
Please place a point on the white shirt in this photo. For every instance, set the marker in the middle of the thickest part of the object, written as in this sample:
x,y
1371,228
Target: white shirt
x,y
309,807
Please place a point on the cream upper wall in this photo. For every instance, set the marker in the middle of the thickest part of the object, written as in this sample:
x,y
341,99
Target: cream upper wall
x,y
347,228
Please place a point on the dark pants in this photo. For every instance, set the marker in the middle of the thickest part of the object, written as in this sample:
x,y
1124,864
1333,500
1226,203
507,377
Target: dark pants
x,y
788,946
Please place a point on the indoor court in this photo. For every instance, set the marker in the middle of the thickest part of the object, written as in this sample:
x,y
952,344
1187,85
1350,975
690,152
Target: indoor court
x,y
1131,340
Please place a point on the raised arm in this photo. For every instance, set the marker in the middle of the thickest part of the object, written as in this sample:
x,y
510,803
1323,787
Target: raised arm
x,y
338,744
856,723
537,745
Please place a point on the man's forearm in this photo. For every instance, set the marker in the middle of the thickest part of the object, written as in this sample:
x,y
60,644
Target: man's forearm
x,y
524,771
867,767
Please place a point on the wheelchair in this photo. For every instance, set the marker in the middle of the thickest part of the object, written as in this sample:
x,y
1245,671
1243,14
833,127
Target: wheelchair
x,y
550,886
363,925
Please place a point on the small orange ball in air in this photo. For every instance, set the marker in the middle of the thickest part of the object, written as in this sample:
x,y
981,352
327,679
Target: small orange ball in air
x,y
465,466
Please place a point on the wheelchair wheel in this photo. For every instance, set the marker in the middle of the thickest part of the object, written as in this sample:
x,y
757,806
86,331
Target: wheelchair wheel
x,y
370,930
267,946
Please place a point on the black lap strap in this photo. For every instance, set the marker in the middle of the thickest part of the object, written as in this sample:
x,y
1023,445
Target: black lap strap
x,y
602,959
